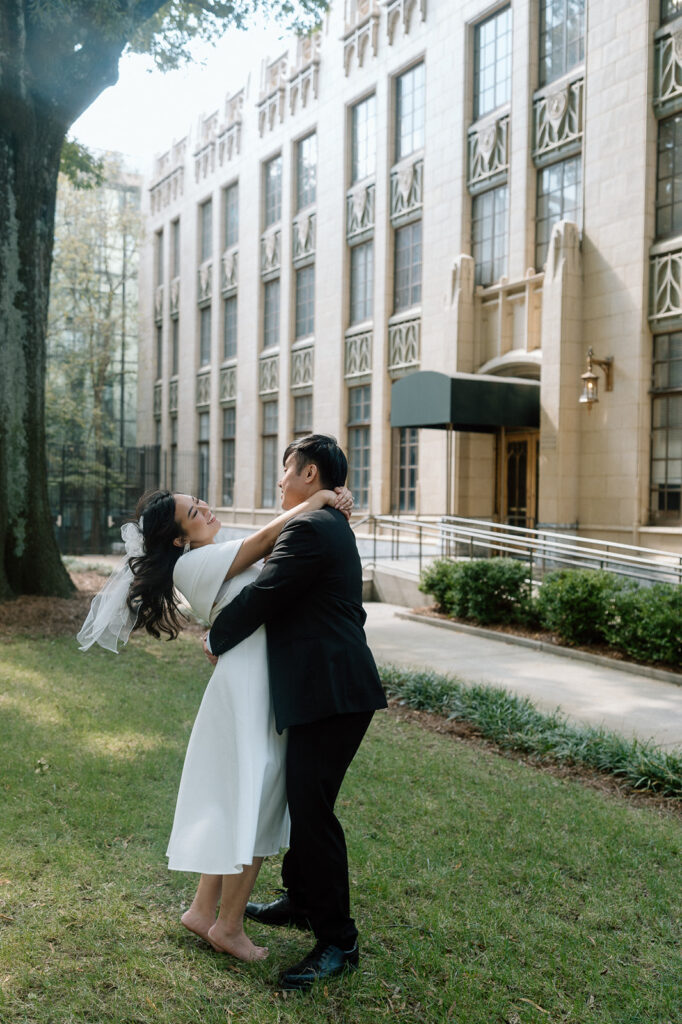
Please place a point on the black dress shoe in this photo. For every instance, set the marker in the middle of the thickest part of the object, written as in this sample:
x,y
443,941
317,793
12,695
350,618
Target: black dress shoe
x,y
323,962
280,912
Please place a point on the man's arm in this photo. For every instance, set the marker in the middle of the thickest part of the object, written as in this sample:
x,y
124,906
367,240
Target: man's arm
x,y
288,573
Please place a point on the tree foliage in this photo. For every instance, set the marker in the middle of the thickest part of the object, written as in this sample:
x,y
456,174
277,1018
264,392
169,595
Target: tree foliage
x,y
79,166
168,35
56,57
92,317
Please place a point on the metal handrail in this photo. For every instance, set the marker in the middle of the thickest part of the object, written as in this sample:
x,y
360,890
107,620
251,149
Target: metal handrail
x,y
544,550
571,538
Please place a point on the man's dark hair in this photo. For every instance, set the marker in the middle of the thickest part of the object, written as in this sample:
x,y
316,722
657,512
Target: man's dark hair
x,y
325,453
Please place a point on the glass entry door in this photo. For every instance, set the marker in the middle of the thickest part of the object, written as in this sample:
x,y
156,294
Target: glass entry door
x,y
520,479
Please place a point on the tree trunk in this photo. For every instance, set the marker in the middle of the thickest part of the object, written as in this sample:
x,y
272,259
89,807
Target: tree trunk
x,y
30,147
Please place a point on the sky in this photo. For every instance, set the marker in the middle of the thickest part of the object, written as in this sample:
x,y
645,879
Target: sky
x,y
146,110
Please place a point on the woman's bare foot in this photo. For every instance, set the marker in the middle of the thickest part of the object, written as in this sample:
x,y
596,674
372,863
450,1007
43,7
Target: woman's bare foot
x,y
235,942
198,923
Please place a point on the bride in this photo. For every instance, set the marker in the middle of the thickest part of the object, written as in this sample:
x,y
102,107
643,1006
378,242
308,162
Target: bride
x,y
231,809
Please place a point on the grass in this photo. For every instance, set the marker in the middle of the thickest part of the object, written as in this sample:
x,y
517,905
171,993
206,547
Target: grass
x,y
485,891
514,723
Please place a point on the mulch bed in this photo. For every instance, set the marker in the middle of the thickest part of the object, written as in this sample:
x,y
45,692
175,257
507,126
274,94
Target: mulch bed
x,y
55,616
50,616
546,637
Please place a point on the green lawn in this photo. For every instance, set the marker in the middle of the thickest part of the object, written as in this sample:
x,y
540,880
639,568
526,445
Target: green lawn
x,y
485,891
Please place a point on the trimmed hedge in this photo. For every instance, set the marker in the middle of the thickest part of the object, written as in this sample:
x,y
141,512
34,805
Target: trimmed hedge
x,y
581,606
648,623
486,590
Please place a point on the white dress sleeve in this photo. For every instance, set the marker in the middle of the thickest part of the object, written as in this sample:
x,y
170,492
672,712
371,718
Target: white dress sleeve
x,y
200,573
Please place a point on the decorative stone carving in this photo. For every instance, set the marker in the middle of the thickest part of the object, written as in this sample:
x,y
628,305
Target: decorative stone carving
x,y
397,10
204,154
268,375
234,106
228,383
362,36
162,166
356,10
270,252
666,286
406,187
668,74
168,190
271,105
205,281
169,177
175,296
558,120
173,395
157,400
204,161
303,237
358,354
304,80
404,345
308,48
303,86
203,388
158,303
230,135
230,270
302,367
229,143
360,210
488,152
275,75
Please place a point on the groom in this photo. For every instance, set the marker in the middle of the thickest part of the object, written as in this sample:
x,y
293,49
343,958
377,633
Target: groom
x,y
325,689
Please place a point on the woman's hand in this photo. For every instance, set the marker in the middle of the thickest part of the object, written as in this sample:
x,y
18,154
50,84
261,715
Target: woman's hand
x,y
340,498
344,501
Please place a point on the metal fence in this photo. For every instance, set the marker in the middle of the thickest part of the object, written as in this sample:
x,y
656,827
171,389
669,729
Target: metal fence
x,y
92,491
396,538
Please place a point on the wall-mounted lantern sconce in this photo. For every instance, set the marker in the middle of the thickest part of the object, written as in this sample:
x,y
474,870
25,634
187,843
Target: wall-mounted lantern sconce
x,y
590,393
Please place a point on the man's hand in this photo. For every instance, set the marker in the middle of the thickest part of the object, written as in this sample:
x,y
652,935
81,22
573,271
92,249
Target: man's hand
x,y
211,657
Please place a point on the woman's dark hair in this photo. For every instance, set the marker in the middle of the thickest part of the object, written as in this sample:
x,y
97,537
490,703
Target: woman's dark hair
x,y
151,593
325,453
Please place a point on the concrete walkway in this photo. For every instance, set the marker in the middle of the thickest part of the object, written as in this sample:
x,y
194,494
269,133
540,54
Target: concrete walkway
x,y
632,705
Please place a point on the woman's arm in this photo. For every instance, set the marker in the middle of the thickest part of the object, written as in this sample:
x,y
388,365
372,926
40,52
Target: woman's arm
x,y
261,543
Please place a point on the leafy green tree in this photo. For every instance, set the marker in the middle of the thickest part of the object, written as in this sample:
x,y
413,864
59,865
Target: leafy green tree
x,y
92,320
56,57
91,373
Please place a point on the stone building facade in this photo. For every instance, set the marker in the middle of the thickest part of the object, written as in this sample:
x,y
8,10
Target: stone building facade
x,y
429,185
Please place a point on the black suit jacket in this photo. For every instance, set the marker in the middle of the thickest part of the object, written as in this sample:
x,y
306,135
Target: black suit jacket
x,y
309,595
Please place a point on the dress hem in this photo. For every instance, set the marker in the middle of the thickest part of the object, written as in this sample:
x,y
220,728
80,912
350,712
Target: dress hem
x,y
234,869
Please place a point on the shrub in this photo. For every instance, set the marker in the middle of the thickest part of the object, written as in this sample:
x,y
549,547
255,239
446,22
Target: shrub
x,y
582,606
497,590
486,590
648,623
578,604
438,580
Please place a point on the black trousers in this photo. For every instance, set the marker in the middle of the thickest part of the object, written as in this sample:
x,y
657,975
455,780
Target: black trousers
x,y
315,868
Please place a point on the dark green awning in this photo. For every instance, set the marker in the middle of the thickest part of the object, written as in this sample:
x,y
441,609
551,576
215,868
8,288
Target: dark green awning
x,y
468,401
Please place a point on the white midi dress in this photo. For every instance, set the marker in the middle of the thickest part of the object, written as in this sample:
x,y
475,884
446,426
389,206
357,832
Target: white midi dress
x,y
231,803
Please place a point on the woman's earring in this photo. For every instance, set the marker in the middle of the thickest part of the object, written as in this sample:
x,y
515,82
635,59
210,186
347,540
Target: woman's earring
x,y
186,548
